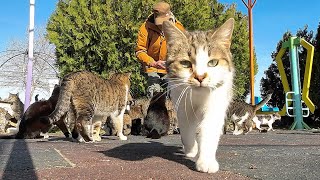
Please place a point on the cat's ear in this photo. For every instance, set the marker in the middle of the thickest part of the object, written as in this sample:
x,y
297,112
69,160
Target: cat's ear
x,y
224,33
172,33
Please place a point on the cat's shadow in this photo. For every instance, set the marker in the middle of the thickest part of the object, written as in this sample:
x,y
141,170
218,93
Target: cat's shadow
x,y
141,151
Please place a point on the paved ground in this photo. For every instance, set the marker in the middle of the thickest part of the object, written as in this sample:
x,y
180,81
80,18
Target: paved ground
x,y
275,155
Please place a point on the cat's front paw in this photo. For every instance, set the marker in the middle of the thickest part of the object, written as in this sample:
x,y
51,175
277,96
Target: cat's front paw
x,y
79,139
237,132
191,153
45,136
123,138
207,166
96,138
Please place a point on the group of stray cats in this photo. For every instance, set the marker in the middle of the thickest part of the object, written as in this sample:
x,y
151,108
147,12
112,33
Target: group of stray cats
x,y
200,81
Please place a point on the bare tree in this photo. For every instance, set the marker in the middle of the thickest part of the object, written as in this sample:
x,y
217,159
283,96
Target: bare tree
x,y
13,64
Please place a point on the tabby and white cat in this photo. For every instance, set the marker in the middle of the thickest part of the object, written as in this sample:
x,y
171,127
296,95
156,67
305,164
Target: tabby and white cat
x,y
5,122
16,105
242,113
91,99
16,110
200,74
266,119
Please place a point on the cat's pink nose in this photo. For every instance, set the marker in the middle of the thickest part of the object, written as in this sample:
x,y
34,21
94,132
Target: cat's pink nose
x,y
200,77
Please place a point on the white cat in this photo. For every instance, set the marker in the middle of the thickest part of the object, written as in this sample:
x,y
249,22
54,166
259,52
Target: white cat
x,y
200,74
266,120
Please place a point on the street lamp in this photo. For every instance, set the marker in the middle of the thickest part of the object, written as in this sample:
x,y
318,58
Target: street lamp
x,y
30,57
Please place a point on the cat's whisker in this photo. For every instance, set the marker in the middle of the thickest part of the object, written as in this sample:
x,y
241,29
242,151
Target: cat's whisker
x,y
184,83
180,97
165,92
185,107
192,106
177,84
174,86
171,81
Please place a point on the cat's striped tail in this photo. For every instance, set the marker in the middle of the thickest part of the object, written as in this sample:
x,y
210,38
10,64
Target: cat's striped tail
x,y
260,104
63,104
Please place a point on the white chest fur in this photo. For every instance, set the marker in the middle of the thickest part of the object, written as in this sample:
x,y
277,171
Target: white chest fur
x,y
201,114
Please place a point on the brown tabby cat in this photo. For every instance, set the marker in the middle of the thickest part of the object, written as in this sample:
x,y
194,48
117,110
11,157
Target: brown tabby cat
x,y
135,118
242,113
92,99
157,122
138,110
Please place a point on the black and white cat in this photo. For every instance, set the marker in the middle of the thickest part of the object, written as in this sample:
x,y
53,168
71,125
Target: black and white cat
x,y
266,119
242,113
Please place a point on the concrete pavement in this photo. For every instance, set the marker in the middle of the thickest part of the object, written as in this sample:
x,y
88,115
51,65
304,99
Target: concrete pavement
x,y
273,155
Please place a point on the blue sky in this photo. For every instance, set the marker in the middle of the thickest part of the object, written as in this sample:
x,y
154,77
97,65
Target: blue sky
x,y
271,19
14,23
14,18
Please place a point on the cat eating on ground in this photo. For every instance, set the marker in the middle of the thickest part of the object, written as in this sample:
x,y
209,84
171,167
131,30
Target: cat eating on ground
x,y
30,126
200,75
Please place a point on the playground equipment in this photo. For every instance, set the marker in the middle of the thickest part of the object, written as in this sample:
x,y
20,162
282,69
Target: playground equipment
x,y
265,109
295,96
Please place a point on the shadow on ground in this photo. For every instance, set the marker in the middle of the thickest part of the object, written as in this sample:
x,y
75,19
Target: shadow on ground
x,y
141,151
17,160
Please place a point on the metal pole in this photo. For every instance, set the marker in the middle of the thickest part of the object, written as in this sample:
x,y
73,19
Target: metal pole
x,y
295,79
250,6
30,59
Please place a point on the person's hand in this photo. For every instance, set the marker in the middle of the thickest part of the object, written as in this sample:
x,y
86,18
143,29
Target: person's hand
x,y
159,64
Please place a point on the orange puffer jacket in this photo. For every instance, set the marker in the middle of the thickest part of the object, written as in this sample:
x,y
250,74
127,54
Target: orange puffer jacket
x,y
151,45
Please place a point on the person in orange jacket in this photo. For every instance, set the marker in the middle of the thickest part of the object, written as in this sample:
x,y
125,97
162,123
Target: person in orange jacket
x,y
151,46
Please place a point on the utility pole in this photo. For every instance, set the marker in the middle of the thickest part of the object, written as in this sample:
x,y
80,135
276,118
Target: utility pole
x,y
249,6
30,57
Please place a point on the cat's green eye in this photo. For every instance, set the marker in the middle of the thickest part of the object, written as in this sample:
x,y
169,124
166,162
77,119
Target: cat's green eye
x,y
186,64
213,63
